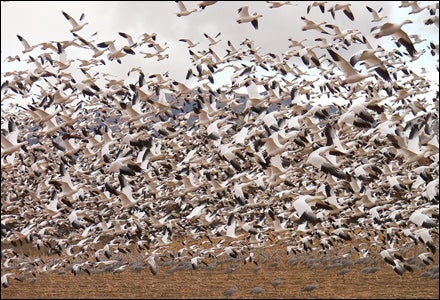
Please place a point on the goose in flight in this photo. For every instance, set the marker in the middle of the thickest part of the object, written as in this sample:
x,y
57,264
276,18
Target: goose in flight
x,y
129,38
75,25
320,4
183,11
421,217
213,41
9,142
244,17
396,31
345,7
190,43
115,54
376,16
326,162
310,25
26,46
204,4
4,279
370,58
304,210
276,4
351,74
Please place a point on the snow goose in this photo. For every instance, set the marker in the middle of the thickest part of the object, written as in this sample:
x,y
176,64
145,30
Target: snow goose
x,y
244,17
204,4
320,4
115,54
416,8
190,43
26,46
376,16
9,143
345,7
424,235
420,217
295,43
213,41
308,56
310,25
276,4
372,61
182,89
148,37
304,210
183,11
230,234
351,74
4,279
126,194
425,258
96,52
129,38
75,25
396,31
321,159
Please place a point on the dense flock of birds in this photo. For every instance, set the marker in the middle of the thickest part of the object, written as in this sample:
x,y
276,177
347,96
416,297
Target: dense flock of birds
x,y
101,173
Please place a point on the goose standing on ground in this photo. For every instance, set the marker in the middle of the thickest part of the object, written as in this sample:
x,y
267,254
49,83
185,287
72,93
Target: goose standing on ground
x,y
244,17
75,25
310,287
256,290
230,292
276,282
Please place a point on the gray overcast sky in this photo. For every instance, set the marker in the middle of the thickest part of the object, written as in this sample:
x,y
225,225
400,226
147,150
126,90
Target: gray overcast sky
x,y
41,21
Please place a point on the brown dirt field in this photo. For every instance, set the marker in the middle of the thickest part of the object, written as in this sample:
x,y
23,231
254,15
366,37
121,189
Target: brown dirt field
x,y
203,283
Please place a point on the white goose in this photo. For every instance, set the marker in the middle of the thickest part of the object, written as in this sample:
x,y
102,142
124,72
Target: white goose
x,y
190,43
395,30
276,4
9,142
183,11
351,74
376,16
310,25
204,4
75,25
26,46
345,7
244,17
4,279
213,41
